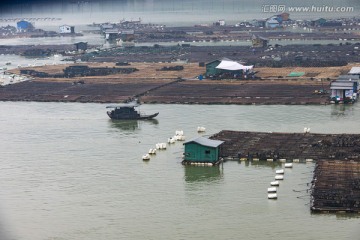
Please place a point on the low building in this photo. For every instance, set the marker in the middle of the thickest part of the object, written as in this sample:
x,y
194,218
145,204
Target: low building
x,y
202,150
345,89
272,23
111,34
258,41
66,29
220,23
81,46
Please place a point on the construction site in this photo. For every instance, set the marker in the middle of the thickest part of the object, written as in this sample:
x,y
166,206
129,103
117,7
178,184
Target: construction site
x,y
336,181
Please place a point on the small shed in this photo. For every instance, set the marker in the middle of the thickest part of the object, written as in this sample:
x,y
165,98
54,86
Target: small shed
x,y
258,41
202,149
81,46
66,29
111,34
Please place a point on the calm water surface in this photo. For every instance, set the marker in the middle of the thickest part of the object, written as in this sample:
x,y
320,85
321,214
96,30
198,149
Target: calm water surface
x,y
68,172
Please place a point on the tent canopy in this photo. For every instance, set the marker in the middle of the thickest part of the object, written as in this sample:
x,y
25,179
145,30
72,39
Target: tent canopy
x,y
355,70
232,66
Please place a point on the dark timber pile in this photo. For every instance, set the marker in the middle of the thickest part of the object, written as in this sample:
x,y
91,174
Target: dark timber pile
x,y
289,146
336,186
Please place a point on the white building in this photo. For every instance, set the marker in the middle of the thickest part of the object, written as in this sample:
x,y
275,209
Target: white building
x,y
66,29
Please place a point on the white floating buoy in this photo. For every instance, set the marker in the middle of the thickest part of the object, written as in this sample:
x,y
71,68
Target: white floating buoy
x,y
275,183
272,196
201,129
288,165
279,177
146,157
171,140
181,138
152,151
163,145
271,189
179,132
280,171
158,146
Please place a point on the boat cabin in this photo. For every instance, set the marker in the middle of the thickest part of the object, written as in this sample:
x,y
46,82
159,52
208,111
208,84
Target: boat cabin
x,y
127,111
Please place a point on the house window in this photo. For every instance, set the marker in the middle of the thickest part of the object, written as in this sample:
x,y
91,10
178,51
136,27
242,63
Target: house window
x,y
207,151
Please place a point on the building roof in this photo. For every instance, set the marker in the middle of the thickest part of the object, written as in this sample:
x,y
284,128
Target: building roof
x,y
206,142
232,66
347,78
132,104
355,70
342,85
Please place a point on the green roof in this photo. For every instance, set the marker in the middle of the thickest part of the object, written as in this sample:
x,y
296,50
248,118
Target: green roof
x,y
206,142
296,74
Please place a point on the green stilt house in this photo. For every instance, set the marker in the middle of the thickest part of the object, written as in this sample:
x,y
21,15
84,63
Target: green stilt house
x,y
202,150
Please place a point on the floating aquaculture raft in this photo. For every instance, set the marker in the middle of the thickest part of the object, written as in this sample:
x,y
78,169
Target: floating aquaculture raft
x,y
336,186
277,146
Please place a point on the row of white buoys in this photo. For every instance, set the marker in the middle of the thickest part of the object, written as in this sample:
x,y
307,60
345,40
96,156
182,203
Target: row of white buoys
x,y
201,164
179,136
272,191
201,129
